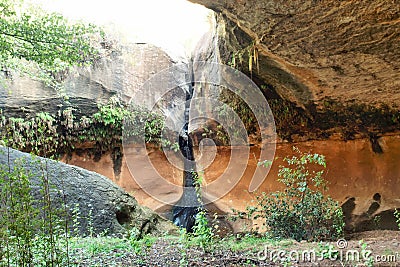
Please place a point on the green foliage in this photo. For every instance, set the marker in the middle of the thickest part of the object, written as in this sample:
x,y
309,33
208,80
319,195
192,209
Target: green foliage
x,y
397,215
94,248
75,216
36,134
202,232
377,221
33,231
300,211
48,40
134,237
366,254
243,112
139,242
202,235
245,242
184,241
265,163
49,135
327,251
216,132
153,125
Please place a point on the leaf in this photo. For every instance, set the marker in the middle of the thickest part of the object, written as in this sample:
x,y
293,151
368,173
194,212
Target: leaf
x,y
47,42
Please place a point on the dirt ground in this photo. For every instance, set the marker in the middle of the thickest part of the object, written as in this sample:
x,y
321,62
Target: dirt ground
x,y
372,248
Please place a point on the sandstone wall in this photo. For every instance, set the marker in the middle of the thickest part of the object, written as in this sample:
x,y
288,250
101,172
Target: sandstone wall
x,y
120,72
366,182
346,50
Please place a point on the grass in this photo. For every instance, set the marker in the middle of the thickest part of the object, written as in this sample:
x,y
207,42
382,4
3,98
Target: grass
x,y
98,251
98,245
113,251
234,250
246,242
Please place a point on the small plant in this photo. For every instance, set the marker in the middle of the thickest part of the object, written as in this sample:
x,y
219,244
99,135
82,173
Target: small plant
x,y
327,251
183,246
75,218
397,216
134,237
203,233
300,211
90,221
366,254
139,242
34,229
377,221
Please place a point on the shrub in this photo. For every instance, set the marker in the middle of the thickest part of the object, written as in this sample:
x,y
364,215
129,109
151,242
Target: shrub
x,y
397,216
301,211
202,235
33,231
139,242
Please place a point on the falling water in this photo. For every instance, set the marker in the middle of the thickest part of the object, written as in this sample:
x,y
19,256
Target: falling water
x,y
187,95
206,51
185,210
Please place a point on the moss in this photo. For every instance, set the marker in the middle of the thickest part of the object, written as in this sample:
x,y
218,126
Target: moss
x,y
51,136
353,118
312,122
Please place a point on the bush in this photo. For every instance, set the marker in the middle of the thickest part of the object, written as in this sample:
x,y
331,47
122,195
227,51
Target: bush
x,y
33,231
397,216
301,211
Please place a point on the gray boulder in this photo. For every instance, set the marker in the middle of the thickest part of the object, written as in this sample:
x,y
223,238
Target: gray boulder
x,y
103,206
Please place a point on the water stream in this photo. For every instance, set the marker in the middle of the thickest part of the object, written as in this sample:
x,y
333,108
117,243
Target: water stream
x,y
185,210
187,95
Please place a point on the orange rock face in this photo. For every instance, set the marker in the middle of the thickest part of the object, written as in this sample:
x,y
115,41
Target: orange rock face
x,y
366,182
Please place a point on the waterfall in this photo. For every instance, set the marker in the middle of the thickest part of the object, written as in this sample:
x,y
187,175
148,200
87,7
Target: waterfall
x,y
185,210
187,95
205,53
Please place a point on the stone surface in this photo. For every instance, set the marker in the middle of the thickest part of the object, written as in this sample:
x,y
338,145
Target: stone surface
x,y
346,50
325,66
333,66
121,71
359,177
102,203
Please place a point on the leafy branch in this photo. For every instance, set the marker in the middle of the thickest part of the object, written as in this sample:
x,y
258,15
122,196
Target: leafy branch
x,y
48,40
